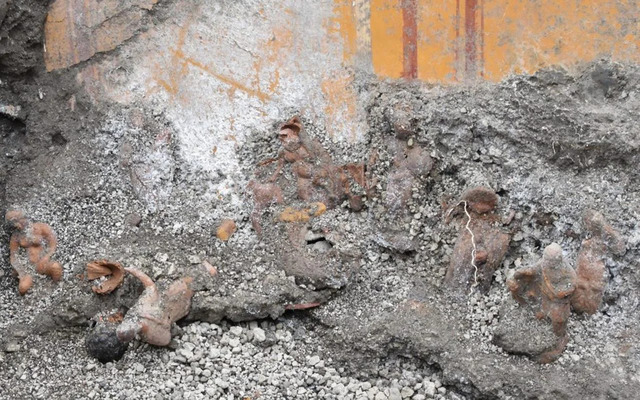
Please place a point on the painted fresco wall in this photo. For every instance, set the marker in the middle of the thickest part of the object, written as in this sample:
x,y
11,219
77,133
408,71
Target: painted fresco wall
x,y
226,66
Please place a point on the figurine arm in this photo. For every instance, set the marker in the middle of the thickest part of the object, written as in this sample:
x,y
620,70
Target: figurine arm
x,y
49,238
275,174
14,247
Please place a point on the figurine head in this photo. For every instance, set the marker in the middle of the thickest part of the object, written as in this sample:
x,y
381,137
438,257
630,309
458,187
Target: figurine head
x,y
289,134
16,218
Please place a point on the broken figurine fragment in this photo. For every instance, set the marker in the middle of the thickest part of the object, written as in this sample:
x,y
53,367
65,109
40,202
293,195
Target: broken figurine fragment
x,y
291,214
104,268
154,312
226,229
546,288
592,276
481,245
40,243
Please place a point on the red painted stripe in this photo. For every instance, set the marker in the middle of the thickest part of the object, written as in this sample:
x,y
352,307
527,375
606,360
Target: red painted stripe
x,y
410,39
481,34
471,38
457,44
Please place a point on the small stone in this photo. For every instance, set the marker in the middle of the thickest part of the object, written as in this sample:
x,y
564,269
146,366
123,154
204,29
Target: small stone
x,y
193,259
394,394
12,347
221,383
236,330
161,257
103,344
186,354
133,219
339,389
313,360
259,335
430,388
138,367
381,396
406,392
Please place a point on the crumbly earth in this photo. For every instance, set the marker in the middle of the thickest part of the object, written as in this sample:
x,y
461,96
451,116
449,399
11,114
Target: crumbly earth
x,y
113,184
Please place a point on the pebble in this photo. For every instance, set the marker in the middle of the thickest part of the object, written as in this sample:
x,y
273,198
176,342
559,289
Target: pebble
x,y
12,347
430,388
394,394
313,360
406,392
259,335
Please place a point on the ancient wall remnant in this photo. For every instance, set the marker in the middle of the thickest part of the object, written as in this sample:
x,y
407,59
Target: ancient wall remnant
x,y
481,244
76,30
39,242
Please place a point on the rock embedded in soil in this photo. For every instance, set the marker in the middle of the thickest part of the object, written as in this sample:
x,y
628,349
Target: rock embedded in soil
x,y
102,343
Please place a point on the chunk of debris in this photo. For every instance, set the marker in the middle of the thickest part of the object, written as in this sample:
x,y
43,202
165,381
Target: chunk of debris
x,y
154,312
226,229
103,268
325,266
40,244
481,245
592,276
10,110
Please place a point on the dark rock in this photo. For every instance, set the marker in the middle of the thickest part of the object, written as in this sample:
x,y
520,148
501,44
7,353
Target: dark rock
x,y
103,344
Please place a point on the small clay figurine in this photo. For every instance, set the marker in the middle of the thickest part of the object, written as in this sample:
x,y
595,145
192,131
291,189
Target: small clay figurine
x,y
410,163
546,288
590,267
481,245
154,312
40,244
